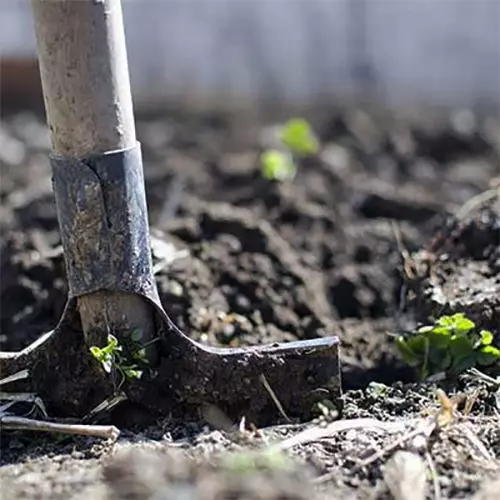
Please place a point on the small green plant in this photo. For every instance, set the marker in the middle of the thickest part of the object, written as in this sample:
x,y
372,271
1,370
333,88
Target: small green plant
x,y
298,136
296,139
245,462
277,165
112,357
451,345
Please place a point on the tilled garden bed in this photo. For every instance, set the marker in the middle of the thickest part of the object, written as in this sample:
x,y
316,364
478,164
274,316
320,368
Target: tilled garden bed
x,y
269,262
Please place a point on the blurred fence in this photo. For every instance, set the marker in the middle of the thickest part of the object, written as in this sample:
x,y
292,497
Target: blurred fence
x,y
303,51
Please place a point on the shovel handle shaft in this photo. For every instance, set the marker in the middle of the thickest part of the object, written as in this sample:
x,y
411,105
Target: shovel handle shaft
x,y
84,73
86,87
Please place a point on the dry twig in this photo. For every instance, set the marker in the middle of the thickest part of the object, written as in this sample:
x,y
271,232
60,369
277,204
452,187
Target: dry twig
x,y
476,202
434,476
11,422
317,433
273,396
8,421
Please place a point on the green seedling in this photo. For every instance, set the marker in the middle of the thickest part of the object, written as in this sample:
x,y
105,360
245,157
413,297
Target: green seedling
x,y
277,165
298,136
245,462
112,357
451,345
296,139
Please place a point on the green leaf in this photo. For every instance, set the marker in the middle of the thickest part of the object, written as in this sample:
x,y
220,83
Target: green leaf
x,y
136,335
106,355
140,355
461,346
277,165
463,354
406,352
426,329
112,346
439,336
440,360
446,361
299,137
488,355
133,374
442,330
458,322
96,352
131,371
419,344
452,344
464,326
445,321
112,341
486,337
462,364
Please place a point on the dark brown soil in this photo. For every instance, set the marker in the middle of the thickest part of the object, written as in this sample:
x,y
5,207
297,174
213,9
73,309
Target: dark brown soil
x,y
462,270
299,260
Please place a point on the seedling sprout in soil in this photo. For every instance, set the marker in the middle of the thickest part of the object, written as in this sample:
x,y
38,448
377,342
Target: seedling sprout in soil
x,y
451,345
113,358
296,139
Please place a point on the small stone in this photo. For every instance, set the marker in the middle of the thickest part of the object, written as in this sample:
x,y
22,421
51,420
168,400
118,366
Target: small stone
x,y
176,288
405,476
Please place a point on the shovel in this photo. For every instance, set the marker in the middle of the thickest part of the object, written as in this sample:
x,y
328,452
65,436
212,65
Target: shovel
x,y
101,204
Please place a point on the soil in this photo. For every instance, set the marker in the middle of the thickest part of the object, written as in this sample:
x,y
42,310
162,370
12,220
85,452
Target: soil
x,y
318,256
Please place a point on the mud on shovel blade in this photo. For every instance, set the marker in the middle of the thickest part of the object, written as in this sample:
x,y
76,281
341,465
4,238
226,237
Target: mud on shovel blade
x,y
264,384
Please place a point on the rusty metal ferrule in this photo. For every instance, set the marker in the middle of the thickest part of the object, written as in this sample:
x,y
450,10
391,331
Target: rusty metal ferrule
x,y
103,220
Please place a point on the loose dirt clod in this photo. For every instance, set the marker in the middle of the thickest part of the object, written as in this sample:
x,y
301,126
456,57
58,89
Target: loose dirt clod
x,y
462,274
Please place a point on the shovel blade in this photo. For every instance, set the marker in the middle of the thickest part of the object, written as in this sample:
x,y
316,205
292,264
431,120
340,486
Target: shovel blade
x,y
266,384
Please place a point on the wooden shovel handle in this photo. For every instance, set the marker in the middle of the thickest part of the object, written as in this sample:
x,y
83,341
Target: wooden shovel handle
x,y
86,87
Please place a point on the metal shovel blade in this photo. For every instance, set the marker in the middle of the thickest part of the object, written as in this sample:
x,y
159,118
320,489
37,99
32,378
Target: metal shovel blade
x,y
265,384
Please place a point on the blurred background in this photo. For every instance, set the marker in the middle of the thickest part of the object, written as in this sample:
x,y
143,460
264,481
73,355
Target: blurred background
x,y
247,53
